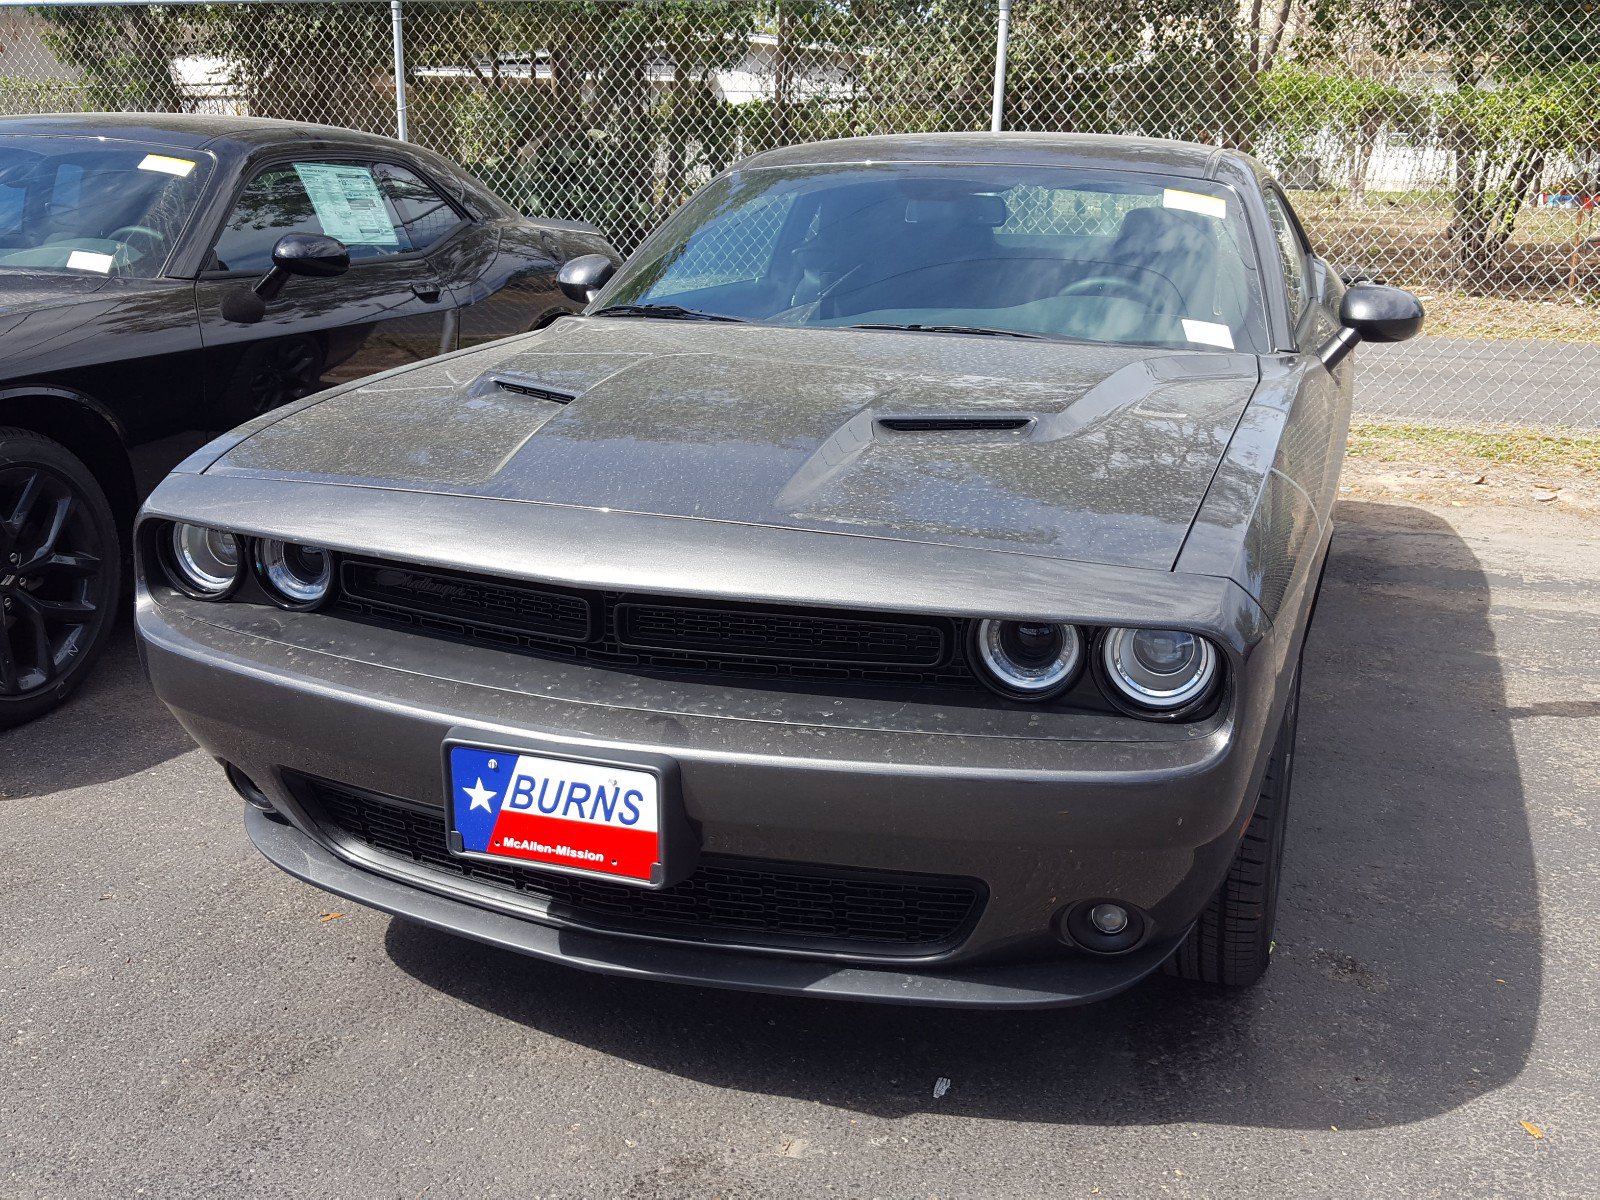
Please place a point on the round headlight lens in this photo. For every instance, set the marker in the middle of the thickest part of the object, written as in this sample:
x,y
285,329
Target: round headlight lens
x,y
1162,669
205,561
297,575
1028,659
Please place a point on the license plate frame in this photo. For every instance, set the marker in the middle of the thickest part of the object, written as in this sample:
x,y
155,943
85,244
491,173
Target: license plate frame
x,y
676,850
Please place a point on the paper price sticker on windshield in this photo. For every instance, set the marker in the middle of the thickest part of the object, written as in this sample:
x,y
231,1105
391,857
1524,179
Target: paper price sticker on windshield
x,y
181,167
348,204
1208,333
1206,206
88,260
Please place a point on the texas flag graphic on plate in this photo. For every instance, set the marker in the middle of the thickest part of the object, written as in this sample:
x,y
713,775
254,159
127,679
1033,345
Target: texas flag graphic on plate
x,y
592,817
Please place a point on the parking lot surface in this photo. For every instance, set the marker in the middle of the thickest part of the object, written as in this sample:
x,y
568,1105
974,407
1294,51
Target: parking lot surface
x,y
180,1018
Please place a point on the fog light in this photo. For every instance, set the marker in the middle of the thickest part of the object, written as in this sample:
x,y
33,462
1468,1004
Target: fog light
x,y
1109,919
1102,926
252,793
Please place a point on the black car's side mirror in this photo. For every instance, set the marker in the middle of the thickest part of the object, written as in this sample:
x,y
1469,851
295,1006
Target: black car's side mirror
x,y
309,254
581,278
1372,312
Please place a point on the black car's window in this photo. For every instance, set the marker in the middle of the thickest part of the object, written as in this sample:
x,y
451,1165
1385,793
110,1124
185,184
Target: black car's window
x,y
93,207
341,200
1290,252
1109,256
424,216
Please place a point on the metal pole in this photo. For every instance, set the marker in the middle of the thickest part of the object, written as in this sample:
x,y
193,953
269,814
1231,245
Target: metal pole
x,y
397,23
1002,41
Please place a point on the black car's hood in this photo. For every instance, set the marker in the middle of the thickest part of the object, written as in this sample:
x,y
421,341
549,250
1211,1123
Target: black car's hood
x,y
801,428
22,291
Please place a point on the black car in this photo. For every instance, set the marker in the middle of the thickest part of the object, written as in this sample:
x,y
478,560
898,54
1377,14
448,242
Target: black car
x,y
893,586
164,278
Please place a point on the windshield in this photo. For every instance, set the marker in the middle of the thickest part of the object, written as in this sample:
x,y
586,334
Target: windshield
x,y
85,205
1094,255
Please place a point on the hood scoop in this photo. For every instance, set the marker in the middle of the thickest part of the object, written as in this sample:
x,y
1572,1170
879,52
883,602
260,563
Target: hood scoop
x,y
953,424
530,388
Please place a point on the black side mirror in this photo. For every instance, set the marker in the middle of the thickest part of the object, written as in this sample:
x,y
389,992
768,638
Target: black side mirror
x,y
582,278
1372,312
308,254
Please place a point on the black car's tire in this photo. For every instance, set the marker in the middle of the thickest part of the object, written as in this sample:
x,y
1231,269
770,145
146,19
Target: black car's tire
x,y
1231,944
60,574
270,374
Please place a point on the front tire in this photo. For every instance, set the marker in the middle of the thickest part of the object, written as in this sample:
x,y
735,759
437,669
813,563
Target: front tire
x,y
1231,944
60,574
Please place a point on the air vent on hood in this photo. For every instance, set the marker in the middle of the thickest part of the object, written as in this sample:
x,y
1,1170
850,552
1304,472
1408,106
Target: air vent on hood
x,y
535,390
945,424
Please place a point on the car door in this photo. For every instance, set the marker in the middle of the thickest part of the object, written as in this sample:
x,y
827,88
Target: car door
x,y
1322,407
391,308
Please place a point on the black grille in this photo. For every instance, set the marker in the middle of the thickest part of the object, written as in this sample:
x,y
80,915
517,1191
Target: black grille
x,y
779,635
539,611
727,900
646,633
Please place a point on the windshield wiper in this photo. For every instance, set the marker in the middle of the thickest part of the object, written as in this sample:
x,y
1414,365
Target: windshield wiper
x,y
667,312
986,330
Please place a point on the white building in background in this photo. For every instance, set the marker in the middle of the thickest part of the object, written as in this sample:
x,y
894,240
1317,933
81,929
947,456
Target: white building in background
x,y
815,72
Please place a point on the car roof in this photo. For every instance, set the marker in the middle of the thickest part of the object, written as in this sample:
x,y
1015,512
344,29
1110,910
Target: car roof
x,y
187,131
1106,151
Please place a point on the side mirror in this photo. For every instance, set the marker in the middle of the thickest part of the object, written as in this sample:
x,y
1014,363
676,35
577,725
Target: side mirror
x,y
582,278
1372,312
308,254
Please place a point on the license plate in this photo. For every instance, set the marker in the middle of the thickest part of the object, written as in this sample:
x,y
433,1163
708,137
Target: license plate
x,y
570,815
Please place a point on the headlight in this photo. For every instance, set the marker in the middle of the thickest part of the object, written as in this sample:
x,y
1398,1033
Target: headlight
x,y
1030,660
1160,669
204,561
297,576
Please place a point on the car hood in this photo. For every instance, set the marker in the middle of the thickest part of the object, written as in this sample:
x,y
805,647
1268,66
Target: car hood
x,y
1095,453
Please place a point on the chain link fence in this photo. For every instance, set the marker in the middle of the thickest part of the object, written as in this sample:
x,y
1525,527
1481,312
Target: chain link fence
x,y
1452,148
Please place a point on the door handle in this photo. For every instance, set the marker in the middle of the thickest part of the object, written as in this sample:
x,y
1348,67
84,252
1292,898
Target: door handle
x,y
427,291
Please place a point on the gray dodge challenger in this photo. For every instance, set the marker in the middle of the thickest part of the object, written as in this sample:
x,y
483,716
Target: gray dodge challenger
x,y
891,587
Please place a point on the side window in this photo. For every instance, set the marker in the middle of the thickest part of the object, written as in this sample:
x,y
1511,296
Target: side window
x,y
340,200
1290,251
424,216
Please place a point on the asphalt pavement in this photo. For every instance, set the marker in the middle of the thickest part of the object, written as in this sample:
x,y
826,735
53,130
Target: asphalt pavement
x,y
1471,381
181,1019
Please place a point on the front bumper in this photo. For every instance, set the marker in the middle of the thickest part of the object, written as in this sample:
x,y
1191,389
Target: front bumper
x,y
1042,823
1006,985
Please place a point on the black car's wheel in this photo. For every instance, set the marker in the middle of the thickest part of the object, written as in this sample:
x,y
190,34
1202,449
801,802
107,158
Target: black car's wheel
x,y
1231,943
60,574
272,374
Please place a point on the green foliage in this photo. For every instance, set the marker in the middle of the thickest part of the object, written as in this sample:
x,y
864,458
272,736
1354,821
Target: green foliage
x,y
1295,104
20,96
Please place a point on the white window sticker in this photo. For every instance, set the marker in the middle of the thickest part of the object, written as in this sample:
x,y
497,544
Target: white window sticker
x,y
1208,333
87,260
181,167
1206,206
348,204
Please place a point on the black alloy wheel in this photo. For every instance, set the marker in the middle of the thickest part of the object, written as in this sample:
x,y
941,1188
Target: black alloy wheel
x,y
60,574
280,372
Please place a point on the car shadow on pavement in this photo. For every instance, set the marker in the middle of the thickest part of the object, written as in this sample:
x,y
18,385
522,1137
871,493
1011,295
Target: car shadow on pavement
x,y
112,727
1408,970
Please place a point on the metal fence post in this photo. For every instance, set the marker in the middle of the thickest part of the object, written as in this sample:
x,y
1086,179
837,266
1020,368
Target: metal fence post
x,y
397,24
1002,42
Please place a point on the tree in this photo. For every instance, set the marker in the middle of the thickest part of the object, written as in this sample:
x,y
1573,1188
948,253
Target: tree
x,y
1520,80
125,55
